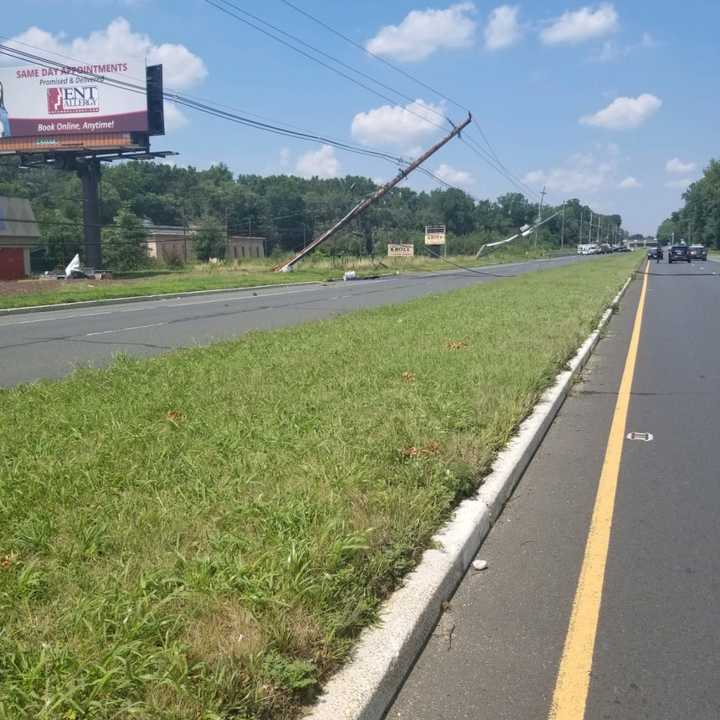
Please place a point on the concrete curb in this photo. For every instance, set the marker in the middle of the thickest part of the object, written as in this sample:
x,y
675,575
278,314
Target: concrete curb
x,y
367,685
147,298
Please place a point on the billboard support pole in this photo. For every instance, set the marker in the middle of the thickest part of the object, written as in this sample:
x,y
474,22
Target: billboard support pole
x,y
89,173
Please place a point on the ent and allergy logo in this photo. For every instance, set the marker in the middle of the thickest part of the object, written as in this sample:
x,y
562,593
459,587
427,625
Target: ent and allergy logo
x,y
67,100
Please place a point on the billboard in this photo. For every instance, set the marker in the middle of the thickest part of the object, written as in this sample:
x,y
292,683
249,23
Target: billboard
x,y
38,102
400,250
435,235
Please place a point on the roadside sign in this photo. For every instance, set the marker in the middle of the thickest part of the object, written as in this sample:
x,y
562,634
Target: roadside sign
x,y
435,234
398,250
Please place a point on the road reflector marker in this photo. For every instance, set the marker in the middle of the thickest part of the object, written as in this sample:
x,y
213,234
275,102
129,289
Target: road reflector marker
x,y
644,436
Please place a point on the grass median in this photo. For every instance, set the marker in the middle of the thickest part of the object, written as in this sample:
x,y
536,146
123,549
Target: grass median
x,y
204,534
248,273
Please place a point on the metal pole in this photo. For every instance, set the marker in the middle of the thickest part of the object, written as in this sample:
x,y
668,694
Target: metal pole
x,y
562,229
89,173
367,202
539,218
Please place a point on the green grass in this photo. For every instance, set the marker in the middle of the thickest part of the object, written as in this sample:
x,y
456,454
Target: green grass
x,y
203,535
245,274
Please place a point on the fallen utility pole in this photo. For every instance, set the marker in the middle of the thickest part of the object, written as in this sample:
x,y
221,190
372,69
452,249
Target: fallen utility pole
x,y
523,233
363,205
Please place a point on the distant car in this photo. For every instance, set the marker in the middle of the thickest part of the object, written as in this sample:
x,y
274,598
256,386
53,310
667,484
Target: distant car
x,y
588,249
605,248
679,253
698,252
655,253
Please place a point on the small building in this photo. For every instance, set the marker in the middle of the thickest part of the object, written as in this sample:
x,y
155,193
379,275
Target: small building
x,y
171,244
19,232
240,247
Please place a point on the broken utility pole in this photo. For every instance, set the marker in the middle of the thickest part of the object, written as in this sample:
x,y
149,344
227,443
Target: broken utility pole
x,y
367,202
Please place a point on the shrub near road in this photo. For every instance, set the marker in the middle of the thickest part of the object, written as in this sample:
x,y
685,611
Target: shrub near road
x,y
203,535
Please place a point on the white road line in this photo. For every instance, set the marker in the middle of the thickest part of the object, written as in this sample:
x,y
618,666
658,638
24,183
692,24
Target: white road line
x,y
240,299
126,329
165,304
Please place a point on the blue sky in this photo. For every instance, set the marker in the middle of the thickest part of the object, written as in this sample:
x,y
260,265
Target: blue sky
x,y
615,103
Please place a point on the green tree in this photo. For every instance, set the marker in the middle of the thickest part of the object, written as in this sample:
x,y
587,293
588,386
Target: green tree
x,y
124,244
210,239
61,238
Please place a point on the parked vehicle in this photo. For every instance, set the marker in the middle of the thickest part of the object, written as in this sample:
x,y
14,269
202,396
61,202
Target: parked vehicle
x,y
588,249
698,252
678,253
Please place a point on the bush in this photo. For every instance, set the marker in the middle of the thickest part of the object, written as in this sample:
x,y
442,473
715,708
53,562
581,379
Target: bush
x,y
124,244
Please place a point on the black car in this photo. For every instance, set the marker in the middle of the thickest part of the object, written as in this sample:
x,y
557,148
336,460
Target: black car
x,y
698,252
678,253
655,253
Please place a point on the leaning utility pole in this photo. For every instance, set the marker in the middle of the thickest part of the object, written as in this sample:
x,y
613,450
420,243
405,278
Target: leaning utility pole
x,y
367,202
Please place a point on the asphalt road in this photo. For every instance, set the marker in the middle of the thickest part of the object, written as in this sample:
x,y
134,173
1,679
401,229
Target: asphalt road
x,y
51,344
657,648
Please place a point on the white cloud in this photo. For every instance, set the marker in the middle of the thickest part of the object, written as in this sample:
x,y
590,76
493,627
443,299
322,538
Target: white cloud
x,y
681,184
321,163
397,125
677,167
576,26
583,172
624,112
629,183
182,69
423,32
451,175
503,28
612,51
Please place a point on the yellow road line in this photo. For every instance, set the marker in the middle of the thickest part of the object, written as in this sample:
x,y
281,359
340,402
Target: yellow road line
x,y
573,681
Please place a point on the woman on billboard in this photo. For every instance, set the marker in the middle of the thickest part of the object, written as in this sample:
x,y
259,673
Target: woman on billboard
x,y
4,119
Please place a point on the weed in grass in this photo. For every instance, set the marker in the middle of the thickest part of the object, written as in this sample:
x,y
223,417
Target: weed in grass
x,y
203,535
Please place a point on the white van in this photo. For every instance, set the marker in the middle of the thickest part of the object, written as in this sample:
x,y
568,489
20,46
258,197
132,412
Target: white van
x,y
588,249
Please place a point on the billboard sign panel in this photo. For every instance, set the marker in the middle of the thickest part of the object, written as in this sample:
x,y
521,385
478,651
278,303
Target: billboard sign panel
x,y
46,101
397,250
435,234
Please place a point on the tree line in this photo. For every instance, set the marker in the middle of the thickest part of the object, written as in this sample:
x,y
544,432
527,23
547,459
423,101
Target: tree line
x,y
286,210
698,221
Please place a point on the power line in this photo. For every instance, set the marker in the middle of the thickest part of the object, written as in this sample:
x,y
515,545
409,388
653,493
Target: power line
x,y
214,3
191,96
490,158
202,107
393,67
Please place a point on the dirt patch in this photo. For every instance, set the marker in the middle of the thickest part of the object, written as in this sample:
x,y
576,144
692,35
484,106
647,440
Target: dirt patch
x,y
10,288
27,287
